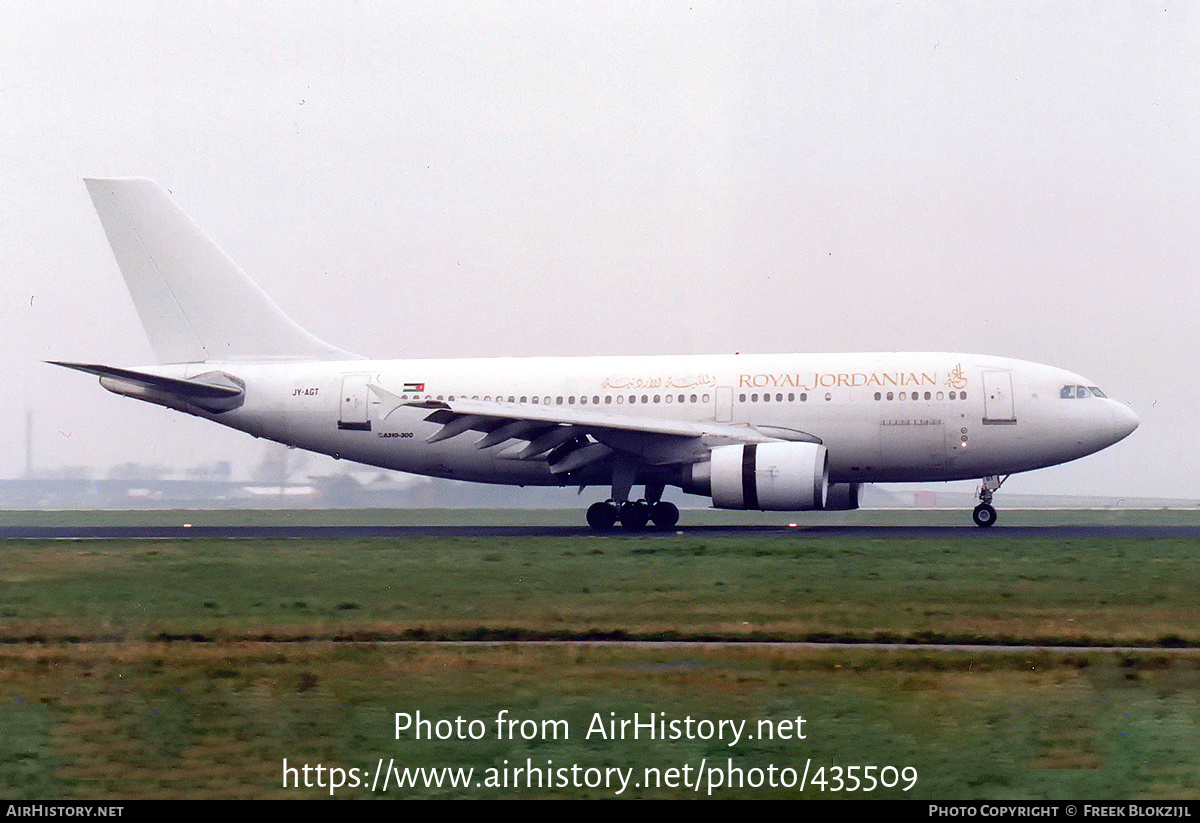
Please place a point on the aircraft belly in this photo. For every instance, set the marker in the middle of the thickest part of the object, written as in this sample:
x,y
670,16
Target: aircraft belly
x,y
399,442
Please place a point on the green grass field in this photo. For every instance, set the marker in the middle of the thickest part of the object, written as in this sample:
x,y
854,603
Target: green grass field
x,y
193,668
762,588
217,720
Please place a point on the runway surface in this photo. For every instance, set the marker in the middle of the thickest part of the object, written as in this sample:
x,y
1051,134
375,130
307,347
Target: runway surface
x,y
343,532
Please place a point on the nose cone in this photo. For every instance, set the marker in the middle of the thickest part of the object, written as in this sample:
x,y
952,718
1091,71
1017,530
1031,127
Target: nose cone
x,y
1124,421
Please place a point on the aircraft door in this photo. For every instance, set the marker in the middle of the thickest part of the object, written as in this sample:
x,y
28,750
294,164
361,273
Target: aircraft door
x,y
998,398
354,403
724,410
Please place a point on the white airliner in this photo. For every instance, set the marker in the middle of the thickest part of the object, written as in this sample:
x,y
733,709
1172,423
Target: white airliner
x,y
781,432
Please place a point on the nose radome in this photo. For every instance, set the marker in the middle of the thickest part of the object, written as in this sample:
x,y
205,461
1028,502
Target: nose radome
x,y
1124,421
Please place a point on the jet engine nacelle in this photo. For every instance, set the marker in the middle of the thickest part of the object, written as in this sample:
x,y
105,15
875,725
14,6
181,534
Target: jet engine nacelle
x,y
764,476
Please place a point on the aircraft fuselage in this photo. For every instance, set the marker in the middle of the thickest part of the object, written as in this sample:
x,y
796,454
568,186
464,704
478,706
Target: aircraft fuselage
x,y
883,417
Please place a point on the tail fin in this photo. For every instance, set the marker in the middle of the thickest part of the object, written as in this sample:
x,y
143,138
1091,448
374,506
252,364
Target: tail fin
x,y
195,303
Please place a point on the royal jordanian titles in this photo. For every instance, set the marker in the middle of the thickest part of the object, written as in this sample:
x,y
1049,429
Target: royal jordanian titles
x,y
781,432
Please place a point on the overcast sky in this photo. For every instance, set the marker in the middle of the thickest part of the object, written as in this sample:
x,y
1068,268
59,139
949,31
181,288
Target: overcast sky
x,y
476,179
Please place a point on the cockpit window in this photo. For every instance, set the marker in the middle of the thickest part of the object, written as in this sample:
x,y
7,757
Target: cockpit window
x,y
1070,392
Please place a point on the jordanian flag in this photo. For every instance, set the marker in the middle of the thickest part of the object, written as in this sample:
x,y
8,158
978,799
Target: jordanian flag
x,y
414,387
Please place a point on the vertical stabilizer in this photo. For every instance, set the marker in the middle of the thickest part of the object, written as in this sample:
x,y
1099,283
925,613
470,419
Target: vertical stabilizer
x,y
195,303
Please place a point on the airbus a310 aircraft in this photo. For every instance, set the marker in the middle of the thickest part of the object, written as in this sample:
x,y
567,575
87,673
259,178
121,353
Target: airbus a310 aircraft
x,y
781,432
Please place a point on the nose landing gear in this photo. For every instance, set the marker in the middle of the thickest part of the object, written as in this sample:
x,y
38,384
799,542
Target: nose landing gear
x,y
984,515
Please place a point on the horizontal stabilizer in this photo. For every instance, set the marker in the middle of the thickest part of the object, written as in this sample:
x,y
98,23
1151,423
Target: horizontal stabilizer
x,y
213,391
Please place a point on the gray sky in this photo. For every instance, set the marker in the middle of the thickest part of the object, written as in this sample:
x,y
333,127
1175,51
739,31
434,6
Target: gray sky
x,y
475,179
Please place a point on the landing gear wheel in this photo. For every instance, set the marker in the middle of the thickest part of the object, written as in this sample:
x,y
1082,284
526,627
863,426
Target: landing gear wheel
x,y
602,516
984,515
664,514
634,516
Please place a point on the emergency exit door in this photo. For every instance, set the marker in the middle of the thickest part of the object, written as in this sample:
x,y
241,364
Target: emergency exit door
x,y
354,408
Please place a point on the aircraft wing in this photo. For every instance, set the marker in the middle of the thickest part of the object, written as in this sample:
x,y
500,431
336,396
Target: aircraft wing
x,y
569,438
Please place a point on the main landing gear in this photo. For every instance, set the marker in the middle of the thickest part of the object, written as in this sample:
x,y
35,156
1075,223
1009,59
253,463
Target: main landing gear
x,y
984,515
633,515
